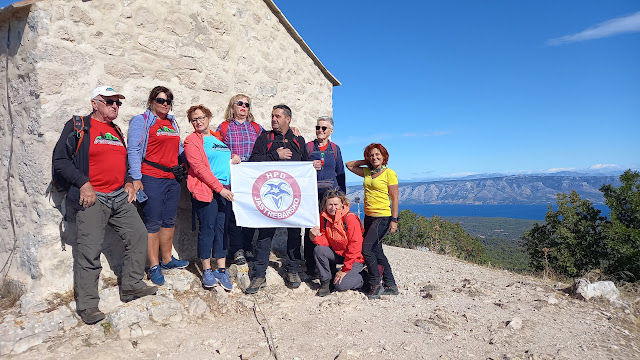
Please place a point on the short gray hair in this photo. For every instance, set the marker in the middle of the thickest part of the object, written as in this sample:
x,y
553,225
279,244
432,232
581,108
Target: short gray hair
x,y
328,119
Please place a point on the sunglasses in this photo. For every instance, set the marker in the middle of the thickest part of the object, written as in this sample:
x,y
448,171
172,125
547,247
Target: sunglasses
x,y
111,102
161,101
324,128
198,119
241,103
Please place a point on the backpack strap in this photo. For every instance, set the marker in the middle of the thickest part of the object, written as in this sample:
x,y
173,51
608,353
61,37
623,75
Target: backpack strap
x,y
224,127
333,148
310,147
270,137
255,126
80,130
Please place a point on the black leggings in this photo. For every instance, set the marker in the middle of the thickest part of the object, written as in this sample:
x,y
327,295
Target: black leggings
x,y
375,229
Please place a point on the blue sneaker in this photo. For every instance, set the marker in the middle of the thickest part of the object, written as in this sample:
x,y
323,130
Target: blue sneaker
x,y
208,278
223,279
155,274
174,264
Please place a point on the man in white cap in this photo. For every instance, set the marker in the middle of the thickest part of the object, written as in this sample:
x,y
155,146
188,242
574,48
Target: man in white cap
x,y
90,158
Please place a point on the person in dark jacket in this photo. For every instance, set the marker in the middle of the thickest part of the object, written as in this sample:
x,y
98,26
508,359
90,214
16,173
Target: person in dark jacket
x,y
101,194
330,174
279,144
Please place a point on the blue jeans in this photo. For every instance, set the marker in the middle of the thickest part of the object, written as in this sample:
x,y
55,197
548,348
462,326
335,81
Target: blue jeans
x,y
375,228
239,237
212,222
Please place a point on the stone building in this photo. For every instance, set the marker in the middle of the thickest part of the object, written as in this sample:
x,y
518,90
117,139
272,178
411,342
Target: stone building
x,y
54,52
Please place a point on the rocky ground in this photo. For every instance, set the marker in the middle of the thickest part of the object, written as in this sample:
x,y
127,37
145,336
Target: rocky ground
x,y
447,309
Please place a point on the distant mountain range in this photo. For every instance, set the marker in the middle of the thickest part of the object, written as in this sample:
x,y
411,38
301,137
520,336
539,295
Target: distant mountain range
x,y
499,190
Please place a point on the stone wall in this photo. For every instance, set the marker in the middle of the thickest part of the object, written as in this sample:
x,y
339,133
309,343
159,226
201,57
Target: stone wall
x,y
53,53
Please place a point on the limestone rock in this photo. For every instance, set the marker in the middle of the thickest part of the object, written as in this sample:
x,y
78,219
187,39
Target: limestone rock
x,y
515,323
180,280
197,307
109,299
21,333
585,290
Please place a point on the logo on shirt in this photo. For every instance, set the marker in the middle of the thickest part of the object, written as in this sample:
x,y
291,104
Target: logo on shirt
x,y
166,131
276,194
107,139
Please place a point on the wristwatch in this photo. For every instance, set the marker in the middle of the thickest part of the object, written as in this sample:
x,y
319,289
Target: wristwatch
x,y
395,219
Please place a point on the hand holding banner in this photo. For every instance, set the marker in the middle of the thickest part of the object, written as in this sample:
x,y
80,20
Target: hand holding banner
x,y
275,194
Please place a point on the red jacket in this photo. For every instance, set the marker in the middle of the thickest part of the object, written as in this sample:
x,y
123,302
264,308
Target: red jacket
x,y
347,244
200,180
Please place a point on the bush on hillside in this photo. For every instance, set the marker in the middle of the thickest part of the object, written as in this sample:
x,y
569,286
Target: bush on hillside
x,y
575,239
438,235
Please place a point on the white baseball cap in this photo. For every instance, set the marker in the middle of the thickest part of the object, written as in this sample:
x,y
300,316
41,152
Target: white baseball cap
x,y
105,91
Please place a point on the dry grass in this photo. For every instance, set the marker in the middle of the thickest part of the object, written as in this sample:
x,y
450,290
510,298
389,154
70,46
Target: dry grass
x,y
10,293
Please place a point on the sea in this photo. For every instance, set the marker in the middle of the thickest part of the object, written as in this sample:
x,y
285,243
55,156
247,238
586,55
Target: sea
x,y
531,212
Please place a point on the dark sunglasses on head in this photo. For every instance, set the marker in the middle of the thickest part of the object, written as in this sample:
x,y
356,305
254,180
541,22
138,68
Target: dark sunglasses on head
x,y
241,103
111,102
324,128
161,101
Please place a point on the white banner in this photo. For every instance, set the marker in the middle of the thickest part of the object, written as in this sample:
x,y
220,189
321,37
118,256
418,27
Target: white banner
x,y
275,194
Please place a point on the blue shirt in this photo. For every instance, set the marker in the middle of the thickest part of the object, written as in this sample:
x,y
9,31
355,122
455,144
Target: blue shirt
x,y
219,156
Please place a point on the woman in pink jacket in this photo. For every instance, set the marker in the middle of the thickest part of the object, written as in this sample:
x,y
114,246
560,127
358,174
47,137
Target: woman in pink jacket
x,y
338,240
209,183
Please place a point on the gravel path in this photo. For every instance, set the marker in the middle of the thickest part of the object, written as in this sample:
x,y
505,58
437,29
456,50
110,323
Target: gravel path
x,y
447,309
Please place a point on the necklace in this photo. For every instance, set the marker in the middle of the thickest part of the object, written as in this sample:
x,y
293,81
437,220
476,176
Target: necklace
x,y
375,171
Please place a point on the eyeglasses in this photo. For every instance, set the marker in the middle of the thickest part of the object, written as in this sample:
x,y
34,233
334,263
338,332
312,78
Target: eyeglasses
x,y
161,101
241,103
324,128
111,102
198,119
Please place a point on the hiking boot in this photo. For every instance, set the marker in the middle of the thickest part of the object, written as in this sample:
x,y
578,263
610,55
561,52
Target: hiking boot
x,y
238,257
208,279
324,288
375,292
223,279
155,274
256,284
293,280
390,290
91,316
248,254
174,264
129,295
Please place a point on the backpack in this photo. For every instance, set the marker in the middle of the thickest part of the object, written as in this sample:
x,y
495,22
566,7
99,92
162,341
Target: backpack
x,y
73,142
271,137
344,223
225,126
310,145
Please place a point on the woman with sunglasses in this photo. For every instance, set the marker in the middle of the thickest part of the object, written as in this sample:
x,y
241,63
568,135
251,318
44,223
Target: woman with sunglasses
x,y
330,173
154,150
239,132
381,215
209,184
338,240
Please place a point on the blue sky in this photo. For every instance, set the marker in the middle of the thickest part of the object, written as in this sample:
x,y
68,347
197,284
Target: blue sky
x,y
469,87
453,88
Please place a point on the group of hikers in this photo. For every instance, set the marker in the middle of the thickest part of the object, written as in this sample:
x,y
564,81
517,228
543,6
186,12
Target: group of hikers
x,y
106,178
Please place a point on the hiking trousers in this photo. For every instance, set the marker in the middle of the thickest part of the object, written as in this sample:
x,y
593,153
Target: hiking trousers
x,y
375,228
326,259
91,223
263,249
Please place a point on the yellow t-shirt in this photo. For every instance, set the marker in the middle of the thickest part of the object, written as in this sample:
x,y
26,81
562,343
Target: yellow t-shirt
x,y
376,192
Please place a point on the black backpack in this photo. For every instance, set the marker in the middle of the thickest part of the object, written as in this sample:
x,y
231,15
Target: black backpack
x,y
73,142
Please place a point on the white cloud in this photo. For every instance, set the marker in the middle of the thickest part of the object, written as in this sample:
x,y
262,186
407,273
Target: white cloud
x,y
620,25
603,166
554,170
